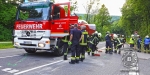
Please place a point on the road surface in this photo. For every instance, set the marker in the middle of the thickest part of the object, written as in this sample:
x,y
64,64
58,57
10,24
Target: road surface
x,y
18,62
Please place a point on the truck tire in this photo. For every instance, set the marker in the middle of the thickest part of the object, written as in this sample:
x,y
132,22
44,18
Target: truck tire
x,y
28,50
59,51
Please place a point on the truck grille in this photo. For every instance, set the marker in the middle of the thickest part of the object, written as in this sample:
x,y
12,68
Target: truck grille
x,y
29,38
28,33
27,44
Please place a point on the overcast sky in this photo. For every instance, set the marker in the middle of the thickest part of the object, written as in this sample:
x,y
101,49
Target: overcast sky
x,y
112,5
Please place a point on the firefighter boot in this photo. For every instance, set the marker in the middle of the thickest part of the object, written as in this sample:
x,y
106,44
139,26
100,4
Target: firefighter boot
x,y
115,51
81,59
88,53
65,57
92,54
106,51
110,51
72,62
119,52
77,61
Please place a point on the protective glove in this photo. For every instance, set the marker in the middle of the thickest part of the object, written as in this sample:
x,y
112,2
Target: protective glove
x,y
69,43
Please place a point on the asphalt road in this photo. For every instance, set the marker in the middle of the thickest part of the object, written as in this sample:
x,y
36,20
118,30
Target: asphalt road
x,y
18,62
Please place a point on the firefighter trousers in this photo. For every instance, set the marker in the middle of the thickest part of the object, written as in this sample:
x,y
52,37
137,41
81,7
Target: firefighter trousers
x,y
65,47
75,52
93,47
83,48
109,47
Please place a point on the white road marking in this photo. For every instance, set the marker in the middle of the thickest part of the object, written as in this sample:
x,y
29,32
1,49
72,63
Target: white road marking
x,y
37,67
10,70
6,69
0,66
9,56
13,71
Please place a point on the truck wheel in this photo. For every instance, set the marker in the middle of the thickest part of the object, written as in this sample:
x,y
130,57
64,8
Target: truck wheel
x,y
30,50
59,51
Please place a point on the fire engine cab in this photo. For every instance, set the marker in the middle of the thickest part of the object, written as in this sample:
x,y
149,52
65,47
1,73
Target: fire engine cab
x,y
41,24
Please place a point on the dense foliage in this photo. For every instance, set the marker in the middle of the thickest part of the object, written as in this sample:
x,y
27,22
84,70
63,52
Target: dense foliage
x,y
7,17
135,17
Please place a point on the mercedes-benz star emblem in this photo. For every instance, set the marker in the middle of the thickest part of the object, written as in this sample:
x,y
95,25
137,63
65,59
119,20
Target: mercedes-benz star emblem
x,y
28,33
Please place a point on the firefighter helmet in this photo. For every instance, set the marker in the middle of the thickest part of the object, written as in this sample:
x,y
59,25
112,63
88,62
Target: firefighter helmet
x,y
147,36
115,36
96,32
108,32
99,34
132,35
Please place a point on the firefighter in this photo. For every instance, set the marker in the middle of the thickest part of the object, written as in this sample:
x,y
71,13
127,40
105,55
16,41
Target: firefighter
x,y
94,41
89,45
64,43
83,42
117,44
75,36
108,43
146,44
123,40
131,41
139,41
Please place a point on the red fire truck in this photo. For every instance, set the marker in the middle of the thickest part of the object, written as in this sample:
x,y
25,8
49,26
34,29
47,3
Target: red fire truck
x,y
40,25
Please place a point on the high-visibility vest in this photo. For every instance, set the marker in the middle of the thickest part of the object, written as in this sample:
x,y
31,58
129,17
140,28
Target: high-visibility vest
x,y
131,41
84,38
65,39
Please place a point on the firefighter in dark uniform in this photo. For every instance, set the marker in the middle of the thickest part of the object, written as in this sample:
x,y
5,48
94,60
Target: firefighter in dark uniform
x,y
108,43
75,37
83,42
64,43
117,44
94,41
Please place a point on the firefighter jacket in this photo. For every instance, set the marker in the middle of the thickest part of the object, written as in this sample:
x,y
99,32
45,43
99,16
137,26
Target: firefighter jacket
x,y
65,39
146,41
84,39
94,40
117,42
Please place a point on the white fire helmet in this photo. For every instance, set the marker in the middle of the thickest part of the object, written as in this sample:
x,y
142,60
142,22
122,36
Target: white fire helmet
x,y
115,36
96,32
132,35
99,34
147,36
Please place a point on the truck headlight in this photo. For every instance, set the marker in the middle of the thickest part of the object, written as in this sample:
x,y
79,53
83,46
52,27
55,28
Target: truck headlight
x,y
16,43
41,45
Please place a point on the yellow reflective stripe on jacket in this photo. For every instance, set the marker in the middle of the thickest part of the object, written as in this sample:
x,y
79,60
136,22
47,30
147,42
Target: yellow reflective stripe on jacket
x,y
82,41
65,40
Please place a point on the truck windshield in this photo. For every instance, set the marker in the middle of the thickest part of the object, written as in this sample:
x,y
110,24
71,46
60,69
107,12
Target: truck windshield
x,y
33,14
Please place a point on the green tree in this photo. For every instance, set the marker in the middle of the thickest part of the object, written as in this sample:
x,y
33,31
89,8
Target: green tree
x,y
90,5
136,17
7,13
102,18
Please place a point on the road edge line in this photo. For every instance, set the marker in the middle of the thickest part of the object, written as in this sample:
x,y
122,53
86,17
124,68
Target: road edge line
x,y
18,73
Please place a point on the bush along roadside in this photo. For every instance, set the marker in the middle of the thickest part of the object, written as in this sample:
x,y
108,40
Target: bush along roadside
x,y
6,45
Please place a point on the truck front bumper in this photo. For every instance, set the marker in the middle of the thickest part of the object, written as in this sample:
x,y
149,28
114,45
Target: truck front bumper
x,y
42,44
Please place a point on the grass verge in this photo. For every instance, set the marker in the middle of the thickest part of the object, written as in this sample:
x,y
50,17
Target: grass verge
x,y
6,45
